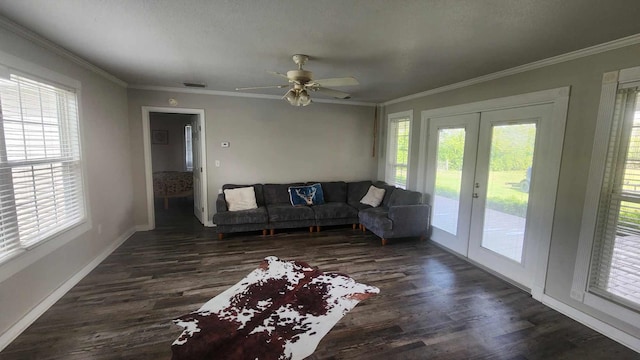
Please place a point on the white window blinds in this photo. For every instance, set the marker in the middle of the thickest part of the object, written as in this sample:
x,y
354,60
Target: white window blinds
x,y
615,263
398,152
41,188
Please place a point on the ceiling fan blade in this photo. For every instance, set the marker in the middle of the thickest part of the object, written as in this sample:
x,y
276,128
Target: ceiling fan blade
x,y
263,87
343,81
278,74
333,93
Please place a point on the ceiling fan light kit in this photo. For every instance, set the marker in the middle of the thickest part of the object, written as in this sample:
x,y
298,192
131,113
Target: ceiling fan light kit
x,y
301,82
297,97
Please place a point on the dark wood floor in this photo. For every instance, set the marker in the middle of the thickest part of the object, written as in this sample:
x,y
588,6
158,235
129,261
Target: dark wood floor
x,y
432,305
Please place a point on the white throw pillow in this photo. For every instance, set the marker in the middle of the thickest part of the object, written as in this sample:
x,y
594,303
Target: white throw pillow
x,y
374,196
241,198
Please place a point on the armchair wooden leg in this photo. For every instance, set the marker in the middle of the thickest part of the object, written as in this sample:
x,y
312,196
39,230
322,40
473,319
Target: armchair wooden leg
x,y
423,238
264,232
364,229
384,242
318,228
220,236
310,229
272,231
353,226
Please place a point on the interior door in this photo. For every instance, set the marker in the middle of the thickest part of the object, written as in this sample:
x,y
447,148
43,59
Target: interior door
x,y
504,216
198,201
451,162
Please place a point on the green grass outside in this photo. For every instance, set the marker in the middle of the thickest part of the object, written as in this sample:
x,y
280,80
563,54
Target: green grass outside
x,y
502,196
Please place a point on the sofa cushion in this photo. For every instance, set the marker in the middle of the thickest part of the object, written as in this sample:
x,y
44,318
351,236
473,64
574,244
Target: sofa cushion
x,y
373,197
306,195
277,193
405,197
335,210
289,213
377,216
389,189
356,190
253,216
335,191
257,188
240,198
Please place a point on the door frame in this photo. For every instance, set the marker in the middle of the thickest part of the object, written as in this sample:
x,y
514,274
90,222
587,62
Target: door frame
x,y
148,170
559,98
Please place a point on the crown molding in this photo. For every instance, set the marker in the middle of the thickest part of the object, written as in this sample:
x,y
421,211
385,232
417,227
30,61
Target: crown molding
x,y
57,49
244,95
592,50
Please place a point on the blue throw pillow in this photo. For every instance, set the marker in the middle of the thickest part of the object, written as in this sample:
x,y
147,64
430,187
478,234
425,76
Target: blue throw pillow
x,y
306,195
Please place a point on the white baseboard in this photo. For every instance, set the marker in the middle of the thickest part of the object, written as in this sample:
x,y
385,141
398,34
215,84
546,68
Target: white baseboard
x,y
605,329
44,305
144,227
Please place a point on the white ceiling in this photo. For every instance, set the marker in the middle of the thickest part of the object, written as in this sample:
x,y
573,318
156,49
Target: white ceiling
x,y
393,47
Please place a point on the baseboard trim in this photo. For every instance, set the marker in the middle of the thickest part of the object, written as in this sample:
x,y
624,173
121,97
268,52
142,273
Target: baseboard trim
x,y
144,227
19,327
589,321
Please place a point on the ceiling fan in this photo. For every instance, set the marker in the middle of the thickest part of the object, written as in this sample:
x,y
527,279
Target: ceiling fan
x,y
301,82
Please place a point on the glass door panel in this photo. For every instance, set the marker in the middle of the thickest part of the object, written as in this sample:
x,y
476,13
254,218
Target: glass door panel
x,y
505,213
451,162
446,197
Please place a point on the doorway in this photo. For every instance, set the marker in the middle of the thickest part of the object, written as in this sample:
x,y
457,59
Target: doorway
x,y
176,177
493,177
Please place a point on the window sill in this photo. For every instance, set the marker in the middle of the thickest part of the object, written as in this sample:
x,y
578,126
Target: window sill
x,y
23,258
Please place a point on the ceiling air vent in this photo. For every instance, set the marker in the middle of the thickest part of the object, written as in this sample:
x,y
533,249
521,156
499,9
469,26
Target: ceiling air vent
x,y
194,85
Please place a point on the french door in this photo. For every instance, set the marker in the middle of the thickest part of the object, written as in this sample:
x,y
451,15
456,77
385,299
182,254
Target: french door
x,y
452,149
485,171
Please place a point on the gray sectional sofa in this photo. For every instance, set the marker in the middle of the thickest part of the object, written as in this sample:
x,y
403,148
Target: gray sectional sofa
x,y
401,213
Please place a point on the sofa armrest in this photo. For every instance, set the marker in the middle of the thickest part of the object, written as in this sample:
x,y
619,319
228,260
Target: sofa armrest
x,y
411,218
221,203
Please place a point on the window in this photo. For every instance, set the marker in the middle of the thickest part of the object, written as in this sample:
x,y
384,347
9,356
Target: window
x,y
607,271
188,148
615,263
398,145
41,187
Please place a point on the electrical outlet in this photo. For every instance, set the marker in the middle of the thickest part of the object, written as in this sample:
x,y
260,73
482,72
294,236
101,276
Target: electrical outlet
x,y
217,163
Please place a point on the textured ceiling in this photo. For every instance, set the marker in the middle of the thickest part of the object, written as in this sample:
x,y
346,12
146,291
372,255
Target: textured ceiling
x,y
393,47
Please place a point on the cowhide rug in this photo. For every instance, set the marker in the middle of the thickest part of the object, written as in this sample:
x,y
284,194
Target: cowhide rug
x,y
281,310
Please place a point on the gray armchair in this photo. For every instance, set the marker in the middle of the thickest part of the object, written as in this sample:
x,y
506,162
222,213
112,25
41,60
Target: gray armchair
x,y
404,216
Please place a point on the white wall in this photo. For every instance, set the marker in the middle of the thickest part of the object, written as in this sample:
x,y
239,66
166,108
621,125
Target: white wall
x,y
271,141
170,156
106,147
584,75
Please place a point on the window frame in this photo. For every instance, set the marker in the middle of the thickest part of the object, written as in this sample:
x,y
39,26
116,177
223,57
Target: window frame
x,y
188,146
29,254
389,175
611,82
